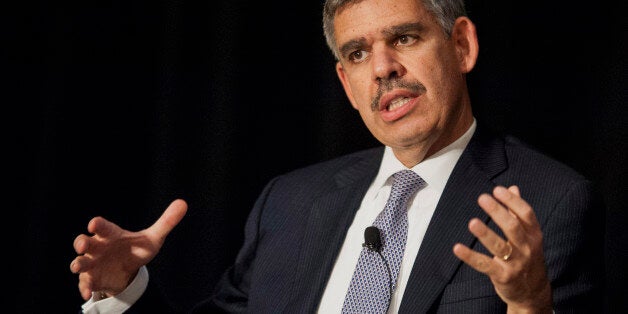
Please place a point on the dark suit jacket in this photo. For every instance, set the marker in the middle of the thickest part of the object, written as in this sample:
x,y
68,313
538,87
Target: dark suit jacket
x,y
299,222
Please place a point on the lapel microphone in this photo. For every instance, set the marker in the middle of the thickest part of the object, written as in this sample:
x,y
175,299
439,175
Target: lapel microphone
x,y
372,239
373,242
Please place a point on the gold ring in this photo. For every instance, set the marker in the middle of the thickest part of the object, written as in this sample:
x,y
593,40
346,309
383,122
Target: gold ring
x,y
507,255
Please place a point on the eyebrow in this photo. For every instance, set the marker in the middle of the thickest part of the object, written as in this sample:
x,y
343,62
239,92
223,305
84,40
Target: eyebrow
x,y
404,28
393,31
352,45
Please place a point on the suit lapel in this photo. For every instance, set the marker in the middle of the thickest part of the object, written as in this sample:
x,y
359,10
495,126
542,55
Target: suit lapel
x,y
329,219
435,263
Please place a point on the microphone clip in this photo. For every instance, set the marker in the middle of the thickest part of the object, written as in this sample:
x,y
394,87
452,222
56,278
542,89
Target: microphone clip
x,y
373,247
372,239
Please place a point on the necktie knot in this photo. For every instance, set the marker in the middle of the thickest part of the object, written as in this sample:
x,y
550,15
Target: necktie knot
x,y
405,184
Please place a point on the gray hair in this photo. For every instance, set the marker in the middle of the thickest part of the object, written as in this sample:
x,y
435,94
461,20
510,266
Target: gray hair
x,y
445,11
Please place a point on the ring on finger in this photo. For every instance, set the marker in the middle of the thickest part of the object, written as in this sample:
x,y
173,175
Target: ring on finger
x,y
506,256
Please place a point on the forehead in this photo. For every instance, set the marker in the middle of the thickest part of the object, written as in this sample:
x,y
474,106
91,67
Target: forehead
x,y
371,18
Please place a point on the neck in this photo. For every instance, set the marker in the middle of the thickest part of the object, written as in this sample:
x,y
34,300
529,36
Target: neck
x,y
411,156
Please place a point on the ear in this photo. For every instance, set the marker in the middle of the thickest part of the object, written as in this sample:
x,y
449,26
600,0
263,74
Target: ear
x,y
345,84
465,40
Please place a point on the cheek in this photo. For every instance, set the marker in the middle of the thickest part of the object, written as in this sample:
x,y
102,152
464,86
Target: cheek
x,y
439,63
440,80
361,92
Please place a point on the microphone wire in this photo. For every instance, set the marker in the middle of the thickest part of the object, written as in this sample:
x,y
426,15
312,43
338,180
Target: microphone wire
x,y
373,242
390,284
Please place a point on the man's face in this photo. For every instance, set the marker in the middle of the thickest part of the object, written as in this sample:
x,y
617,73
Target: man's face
x,y
402,73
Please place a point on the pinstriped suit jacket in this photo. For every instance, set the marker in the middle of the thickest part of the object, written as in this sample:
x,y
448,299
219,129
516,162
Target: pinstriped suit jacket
x,y
299,222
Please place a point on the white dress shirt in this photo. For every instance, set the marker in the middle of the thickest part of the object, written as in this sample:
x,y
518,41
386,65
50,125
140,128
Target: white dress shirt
x,y
434,170
122,301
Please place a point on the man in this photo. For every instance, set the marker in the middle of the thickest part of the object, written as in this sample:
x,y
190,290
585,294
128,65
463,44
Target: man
x,y
495,226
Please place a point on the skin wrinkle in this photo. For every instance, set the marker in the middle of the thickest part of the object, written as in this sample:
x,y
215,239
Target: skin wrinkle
x,y
441,113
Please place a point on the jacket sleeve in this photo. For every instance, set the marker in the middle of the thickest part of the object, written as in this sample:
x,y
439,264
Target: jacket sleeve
x,y
231,293
574,250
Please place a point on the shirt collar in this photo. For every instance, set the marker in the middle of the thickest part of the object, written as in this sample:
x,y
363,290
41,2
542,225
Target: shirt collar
x,y
434,170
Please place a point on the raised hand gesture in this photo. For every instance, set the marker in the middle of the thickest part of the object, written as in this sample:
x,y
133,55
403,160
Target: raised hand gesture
x,y
110,258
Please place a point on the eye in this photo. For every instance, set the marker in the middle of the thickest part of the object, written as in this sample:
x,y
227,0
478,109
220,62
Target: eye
x,y
358,56
405,40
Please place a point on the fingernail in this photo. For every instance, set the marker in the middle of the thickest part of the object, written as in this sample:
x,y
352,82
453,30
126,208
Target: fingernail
x,y
500,190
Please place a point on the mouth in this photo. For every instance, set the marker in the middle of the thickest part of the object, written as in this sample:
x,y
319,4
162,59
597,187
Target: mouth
x,y
392,95
396,98
396,103
395,106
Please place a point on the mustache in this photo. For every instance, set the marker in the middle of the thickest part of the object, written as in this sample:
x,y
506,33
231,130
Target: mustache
x,y
386,85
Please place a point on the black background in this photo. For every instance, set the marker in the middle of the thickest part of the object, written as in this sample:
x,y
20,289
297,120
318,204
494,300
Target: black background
x,y
115,108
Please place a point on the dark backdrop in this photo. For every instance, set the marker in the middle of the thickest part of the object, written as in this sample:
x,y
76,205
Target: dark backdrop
x,y
115,108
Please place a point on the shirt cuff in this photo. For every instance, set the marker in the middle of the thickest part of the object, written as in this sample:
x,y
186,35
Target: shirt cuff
x,y
120,302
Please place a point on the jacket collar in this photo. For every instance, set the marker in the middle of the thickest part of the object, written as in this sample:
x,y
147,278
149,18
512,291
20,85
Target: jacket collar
x,y
331,215
329,219
435,264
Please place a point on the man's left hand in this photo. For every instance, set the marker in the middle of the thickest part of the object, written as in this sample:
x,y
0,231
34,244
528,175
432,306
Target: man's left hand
x,y
517,267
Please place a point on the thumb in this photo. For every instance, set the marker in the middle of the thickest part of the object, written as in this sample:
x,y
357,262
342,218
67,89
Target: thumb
x,y
169,219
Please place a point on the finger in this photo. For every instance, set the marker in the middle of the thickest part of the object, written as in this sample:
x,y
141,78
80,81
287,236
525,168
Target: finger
x,y
517,205
506,221
493,242
85,286
75,266
80,264
515,190
81,244
475,260
101,226
169,219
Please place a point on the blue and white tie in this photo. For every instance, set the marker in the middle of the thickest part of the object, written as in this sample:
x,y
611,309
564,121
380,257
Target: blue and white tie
x,y
370,289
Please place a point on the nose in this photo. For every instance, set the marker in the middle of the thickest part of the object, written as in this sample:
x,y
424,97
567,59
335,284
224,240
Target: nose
x,y
385,64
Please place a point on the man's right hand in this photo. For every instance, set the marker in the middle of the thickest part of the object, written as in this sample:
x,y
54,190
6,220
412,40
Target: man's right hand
x,y
110,258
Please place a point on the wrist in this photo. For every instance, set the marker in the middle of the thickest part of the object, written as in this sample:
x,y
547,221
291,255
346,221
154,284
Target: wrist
x,y
540,304
99,295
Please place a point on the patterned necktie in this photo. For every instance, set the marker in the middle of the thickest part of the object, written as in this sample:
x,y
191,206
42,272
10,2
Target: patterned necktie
x,y
375,275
